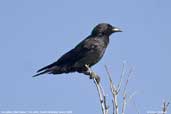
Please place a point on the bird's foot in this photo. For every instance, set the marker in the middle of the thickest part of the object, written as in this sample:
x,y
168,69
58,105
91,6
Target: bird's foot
x,y
95,76
92,74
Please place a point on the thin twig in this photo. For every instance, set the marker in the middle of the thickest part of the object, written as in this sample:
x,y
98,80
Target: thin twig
x,y
116,89
100,90
124,92
104,98
121,77
129,75
165,107
114,92
100,95
124,103
131,96
113,106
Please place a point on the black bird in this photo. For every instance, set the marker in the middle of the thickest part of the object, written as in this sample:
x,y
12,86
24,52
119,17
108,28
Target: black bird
x,y
88,52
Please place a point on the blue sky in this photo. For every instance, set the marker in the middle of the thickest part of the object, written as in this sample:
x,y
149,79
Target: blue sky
x,y
35,33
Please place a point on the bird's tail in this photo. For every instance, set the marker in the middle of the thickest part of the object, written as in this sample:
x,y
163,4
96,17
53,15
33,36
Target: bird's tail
x,y
54,69
46,71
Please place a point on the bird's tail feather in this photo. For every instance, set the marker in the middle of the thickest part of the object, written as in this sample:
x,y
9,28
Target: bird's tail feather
x,y
46,67
46,71
54,69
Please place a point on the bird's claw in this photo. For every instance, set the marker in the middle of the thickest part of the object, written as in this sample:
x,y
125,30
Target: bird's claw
x,y
92,74
95,76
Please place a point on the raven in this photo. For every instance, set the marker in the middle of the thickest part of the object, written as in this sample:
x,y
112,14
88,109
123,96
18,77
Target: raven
x,y
88,52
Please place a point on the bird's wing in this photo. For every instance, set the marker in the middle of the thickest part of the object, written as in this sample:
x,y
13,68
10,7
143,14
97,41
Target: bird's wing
x,y
77,53
80,51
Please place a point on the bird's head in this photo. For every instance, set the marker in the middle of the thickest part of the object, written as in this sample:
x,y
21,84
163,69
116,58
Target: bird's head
x,y
105,29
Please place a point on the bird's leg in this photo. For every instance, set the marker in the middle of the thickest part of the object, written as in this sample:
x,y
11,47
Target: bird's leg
x,y
92,74
89,72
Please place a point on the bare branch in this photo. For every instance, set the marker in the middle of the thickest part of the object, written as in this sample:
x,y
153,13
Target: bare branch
x,y
124,92
165,106
113,106
131,96
114,92
101,93
126,83
121,77
116,89
124,103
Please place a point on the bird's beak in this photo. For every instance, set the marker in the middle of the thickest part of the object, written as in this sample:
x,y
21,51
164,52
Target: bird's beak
x,y
116,29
